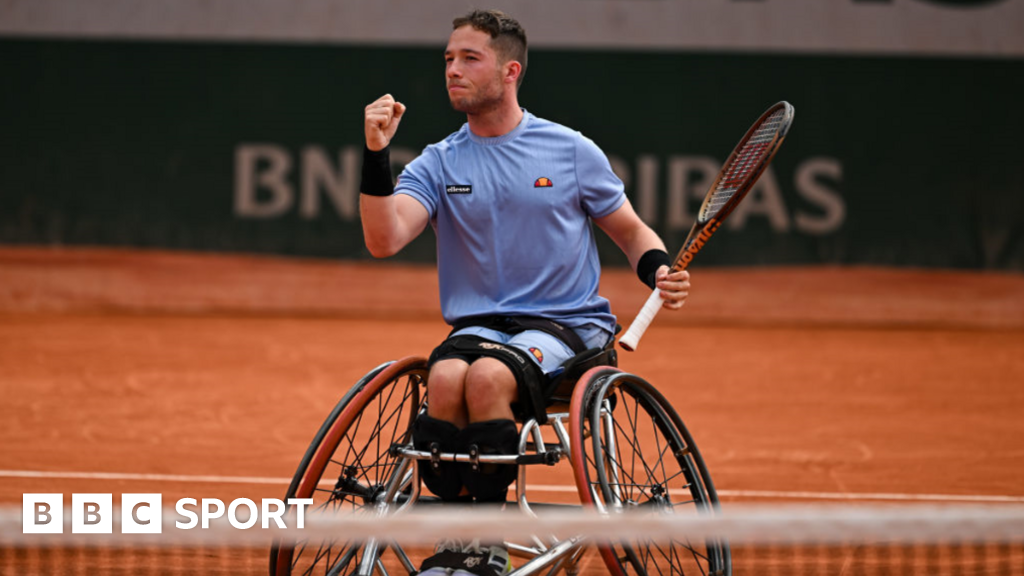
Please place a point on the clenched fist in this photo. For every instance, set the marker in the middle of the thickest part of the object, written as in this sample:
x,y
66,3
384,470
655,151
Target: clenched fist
x,y
381,121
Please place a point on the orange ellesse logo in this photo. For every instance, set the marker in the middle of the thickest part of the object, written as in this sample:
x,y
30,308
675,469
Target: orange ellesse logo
x,y
536,351
542,182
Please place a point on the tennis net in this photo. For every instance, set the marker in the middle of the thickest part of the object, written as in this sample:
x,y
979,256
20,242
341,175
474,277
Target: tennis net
x,y
791,540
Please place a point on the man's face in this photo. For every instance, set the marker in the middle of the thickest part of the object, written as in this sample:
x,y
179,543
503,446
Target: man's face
x,y
473,72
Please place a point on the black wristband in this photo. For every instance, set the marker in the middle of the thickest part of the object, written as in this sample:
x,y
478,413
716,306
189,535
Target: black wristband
x,y
377,173
647,267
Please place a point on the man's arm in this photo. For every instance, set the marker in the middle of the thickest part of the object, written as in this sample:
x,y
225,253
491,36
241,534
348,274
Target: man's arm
x,y
635,239
389,221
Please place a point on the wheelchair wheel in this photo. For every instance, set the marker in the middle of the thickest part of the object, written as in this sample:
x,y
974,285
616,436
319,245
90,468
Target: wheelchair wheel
x,y
632,454
348,464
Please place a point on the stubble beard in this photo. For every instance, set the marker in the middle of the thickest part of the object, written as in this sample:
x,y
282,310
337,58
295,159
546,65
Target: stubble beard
x,y
485,100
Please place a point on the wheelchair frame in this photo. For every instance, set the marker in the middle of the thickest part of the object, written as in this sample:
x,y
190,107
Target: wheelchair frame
x,y
602,482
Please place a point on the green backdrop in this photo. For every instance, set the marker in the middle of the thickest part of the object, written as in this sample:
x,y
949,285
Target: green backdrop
x,y
891,160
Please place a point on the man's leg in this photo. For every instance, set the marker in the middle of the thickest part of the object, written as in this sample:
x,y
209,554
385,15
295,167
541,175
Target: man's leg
x,y
473,400
446,387
440,426
490,389
447,417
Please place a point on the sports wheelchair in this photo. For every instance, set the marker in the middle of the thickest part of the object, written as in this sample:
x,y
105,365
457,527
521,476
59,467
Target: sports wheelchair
x,y
627,447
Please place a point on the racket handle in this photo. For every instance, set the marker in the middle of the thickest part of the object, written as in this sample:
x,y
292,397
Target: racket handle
x,y
636,330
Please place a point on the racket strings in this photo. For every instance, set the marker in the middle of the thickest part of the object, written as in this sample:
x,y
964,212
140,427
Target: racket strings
x,y
746,160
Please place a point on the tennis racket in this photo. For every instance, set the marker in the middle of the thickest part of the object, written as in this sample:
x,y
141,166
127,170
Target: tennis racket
x,y
738,175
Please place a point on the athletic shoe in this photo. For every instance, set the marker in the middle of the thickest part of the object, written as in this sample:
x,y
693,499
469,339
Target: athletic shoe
x,y
472,559
447,554
450,545
490,560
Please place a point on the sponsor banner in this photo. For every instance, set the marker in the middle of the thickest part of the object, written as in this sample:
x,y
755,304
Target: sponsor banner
x,y
983,28
257,148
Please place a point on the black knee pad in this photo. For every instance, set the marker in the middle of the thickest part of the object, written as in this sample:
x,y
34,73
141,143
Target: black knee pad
x,y
442,478
490,482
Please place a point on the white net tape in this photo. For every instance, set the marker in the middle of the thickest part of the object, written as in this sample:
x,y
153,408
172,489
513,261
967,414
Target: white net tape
x,y
737,524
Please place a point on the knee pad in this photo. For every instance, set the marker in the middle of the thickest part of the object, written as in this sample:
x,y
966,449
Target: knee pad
x,y
442,478
489,482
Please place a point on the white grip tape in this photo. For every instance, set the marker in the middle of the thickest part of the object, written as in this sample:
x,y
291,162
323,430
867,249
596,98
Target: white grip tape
x,y
636,330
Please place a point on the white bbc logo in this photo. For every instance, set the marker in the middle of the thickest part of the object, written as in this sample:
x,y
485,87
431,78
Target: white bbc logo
x,y
141,513
92,513
42,513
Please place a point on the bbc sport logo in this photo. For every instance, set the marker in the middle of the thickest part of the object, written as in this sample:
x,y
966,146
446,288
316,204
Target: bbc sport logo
x,y
143,513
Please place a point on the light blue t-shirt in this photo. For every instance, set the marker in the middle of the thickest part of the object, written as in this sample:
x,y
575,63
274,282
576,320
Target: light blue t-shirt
x,y
512,218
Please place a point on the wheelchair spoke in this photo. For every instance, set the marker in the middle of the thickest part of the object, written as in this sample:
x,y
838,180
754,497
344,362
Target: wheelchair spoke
x,y
637,450
697,556
364,479
349,439
324,550
641,459
661,451
391,463
358,438
671,556
379,423
637,447
325,554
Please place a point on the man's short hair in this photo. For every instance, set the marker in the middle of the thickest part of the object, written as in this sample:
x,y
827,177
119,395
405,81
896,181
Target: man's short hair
x,y
507,36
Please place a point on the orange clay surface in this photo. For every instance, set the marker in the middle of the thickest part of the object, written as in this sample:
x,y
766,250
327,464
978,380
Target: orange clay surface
x,y
798,384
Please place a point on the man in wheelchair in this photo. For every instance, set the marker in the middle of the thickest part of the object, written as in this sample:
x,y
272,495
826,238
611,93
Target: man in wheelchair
x,y
511,198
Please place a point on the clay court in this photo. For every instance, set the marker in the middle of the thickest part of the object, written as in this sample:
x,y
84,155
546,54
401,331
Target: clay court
x,y
207,375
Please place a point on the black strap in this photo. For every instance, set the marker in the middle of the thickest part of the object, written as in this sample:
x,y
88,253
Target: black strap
x,y
517,324
650,262
377,173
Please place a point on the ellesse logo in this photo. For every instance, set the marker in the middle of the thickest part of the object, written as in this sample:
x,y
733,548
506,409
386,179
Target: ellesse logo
x,y
537,353
543,182
459,189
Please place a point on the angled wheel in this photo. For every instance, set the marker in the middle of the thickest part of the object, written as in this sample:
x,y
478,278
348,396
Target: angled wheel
x,y
348,465
632,454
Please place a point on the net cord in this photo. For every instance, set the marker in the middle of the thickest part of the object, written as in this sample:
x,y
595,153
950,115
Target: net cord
x,y
746,524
